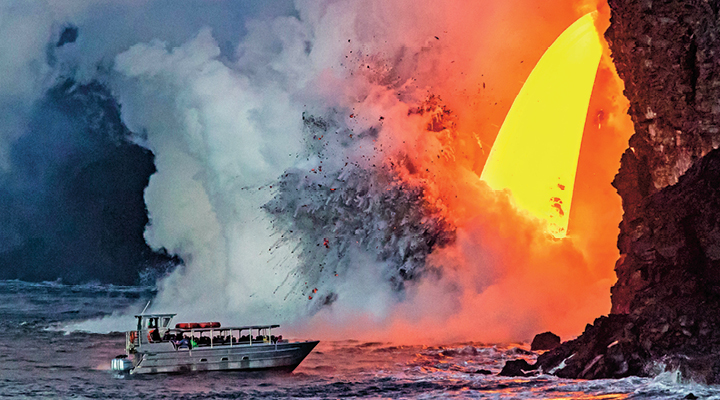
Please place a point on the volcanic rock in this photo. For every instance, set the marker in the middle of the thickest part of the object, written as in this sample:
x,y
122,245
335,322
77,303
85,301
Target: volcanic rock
x,y
605,349
545,341
667,53
666,303
72,204
518,367
674,320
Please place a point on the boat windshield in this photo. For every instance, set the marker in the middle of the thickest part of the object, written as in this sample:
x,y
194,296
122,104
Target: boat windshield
x,y
153,321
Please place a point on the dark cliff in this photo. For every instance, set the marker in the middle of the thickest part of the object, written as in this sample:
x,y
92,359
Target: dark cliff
x,y
666,302
667,53
72,205
674,319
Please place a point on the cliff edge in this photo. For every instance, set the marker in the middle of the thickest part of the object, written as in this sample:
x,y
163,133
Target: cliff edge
x,y
666,302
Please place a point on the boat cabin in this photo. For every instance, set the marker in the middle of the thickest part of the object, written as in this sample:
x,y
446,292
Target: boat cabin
x,y
154,321
156,329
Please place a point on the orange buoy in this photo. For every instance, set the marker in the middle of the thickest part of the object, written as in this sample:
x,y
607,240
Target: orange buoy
x,y
187,325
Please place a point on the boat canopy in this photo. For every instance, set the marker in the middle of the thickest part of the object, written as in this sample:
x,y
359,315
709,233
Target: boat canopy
x,y
162,321
226,328
155,315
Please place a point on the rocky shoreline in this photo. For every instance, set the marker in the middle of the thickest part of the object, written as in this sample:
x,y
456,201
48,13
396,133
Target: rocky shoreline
x,y
674,321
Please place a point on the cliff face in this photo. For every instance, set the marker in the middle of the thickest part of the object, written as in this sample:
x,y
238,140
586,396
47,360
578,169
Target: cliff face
x,y
666,302
73,206
674,319
667,53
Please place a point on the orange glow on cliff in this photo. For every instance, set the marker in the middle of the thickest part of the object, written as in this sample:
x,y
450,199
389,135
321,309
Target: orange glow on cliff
x,y
535,154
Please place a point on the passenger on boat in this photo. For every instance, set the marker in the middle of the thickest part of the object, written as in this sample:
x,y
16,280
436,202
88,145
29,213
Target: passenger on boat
x,y
153,333
154,336
182,342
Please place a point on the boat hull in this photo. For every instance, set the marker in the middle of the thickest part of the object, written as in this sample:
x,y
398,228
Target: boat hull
x,y
256,357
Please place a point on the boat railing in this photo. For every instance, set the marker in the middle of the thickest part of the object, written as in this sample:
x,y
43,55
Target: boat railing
x,y
199,337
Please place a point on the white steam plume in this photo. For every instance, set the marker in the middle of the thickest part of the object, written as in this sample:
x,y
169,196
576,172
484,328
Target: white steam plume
x,y
218,92
223,132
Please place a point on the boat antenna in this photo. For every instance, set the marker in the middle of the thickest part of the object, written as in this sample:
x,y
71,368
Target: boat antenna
x,y
146,306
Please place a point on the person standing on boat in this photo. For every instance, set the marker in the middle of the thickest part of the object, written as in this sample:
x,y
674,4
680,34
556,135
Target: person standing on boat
x,y
154,334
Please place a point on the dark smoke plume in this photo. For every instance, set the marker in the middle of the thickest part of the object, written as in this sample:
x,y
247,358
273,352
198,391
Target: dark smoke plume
x,y
333,212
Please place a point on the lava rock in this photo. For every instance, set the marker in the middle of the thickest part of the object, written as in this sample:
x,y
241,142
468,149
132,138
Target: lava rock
x,y
518,367
674,321
604,350
667,54
73,205
545,341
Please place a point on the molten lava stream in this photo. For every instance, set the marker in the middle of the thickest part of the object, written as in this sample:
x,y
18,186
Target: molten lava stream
x,y
535,154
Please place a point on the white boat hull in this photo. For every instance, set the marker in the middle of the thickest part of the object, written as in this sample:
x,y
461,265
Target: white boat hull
x,y
163,358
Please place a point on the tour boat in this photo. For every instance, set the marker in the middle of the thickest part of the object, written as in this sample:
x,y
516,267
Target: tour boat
x,y
156,347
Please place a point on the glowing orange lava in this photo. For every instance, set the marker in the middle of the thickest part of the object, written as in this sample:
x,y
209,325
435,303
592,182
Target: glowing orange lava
x,y
535,154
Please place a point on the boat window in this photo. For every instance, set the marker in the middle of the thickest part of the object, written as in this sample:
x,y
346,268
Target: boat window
x,y
203,359
166,322
224,359
245,358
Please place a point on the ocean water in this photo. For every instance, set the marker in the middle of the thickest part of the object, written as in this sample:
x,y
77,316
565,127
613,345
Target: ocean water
x,y
38,360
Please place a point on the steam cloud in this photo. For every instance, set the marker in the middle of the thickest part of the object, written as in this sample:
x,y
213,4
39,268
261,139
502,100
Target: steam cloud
x,y
318,163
